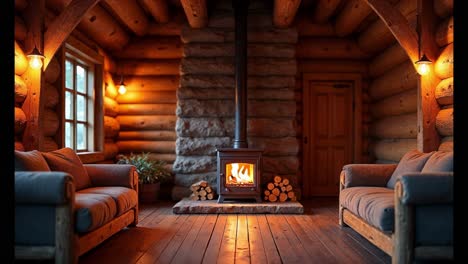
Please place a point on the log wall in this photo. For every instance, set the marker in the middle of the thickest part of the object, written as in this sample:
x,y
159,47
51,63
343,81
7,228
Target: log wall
x,y
320,51
205,106
21,88
444,70
147,111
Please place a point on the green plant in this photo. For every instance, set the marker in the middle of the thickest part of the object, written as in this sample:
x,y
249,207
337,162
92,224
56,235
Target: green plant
x,y
149,171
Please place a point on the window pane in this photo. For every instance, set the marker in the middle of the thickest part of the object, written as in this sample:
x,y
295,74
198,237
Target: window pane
x,y
68,134
80,79
68,74
81,137
80,108
68,105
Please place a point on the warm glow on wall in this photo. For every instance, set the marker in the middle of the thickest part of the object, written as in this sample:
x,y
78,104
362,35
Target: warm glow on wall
x,y
35,59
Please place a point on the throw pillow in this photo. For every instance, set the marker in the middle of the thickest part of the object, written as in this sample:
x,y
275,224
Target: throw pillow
x,y
66,160
412,161
30,161
439,161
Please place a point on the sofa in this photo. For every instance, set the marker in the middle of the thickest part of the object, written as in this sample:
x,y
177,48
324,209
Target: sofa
x,y
405,209
64,208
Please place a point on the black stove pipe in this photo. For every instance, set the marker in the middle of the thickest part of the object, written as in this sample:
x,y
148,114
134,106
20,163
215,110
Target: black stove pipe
x,y
240,130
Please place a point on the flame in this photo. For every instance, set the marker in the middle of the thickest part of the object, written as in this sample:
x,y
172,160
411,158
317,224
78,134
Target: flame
x,y
239,173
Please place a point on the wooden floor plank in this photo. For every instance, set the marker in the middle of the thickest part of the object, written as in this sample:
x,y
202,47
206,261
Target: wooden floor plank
x,y
168,229
257,250
174,244
212,250
242,255
311,243
184,253
288,245
164,237
203,237
269,245
227,249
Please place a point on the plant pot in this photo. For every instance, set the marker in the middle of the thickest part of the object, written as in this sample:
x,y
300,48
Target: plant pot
x,y
149,193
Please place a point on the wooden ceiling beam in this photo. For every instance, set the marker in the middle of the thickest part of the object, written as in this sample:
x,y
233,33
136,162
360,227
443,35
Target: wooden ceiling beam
x,y
130,14
196,12
351,16
157,8
284,12
324,10
61,27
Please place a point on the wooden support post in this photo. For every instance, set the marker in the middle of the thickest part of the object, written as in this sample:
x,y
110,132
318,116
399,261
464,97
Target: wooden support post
x,y
32,107
403,236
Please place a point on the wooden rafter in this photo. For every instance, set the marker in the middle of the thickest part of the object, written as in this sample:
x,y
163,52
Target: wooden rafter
x,y
284,12
63,25
324,9
196,12
130,14
158,9
349,18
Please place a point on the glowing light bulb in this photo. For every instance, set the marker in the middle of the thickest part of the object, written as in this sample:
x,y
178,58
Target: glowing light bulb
x,y
35,62
122,89
423,67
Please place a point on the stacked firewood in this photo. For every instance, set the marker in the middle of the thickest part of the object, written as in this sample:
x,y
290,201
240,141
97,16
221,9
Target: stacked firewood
x,y
279,190
201,191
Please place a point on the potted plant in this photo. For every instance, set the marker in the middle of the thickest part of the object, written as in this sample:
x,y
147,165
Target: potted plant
x,y
151,173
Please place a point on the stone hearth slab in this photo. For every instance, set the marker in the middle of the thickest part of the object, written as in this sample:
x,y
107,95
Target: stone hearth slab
x,y
187,206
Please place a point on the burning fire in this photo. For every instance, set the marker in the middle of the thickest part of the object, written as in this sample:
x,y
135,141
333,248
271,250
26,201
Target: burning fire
x,y
239,173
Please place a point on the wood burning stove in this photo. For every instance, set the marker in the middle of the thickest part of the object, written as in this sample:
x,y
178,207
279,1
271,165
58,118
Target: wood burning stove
x,y
239,168
239,172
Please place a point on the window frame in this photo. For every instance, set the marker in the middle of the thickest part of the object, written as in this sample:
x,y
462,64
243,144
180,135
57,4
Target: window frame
x,y
82,55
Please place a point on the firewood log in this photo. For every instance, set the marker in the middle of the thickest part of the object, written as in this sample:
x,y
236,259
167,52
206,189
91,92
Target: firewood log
x,y
275,191
277,179
270,186
283,197
208,189
285,181
291,195
193,197
202,193
210,196
202,183
289,188
202,198
194,187
272,198
267,192
283,189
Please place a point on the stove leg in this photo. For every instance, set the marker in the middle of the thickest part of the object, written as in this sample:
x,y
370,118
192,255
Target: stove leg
x,y
220,199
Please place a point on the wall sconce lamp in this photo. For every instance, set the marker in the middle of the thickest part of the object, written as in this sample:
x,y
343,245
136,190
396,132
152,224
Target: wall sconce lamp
x,y
423,64
122,88
35,58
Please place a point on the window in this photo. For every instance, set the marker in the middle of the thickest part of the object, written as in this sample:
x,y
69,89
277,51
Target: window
x,y
83,118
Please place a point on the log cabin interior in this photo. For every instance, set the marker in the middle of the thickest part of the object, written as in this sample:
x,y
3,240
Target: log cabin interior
x,y
314,85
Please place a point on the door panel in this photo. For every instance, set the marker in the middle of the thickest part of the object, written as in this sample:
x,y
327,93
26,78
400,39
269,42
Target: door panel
x,y
329,132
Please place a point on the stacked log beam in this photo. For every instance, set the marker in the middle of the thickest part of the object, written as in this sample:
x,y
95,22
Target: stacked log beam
x,y
444,70
202,191
50,95
205,106
279,190
392,92
21,91
150,68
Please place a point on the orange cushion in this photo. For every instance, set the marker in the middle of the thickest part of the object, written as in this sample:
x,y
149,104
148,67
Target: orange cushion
x,y
30,161
66,160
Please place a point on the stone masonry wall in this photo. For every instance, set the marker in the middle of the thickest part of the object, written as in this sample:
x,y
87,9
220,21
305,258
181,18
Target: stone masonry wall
x,y
205,99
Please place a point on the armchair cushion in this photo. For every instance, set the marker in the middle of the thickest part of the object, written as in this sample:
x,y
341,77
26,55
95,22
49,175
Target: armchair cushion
x,y
93,210
30,161
124,198
66,160
439,161
412,161
427,188
373,204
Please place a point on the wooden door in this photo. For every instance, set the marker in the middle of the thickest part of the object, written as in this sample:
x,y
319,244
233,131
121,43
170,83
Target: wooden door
x,y
329,131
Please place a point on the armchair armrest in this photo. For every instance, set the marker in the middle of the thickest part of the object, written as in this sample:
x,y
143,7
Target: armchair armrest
x,y
43,187
366,175
425,188
124,175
